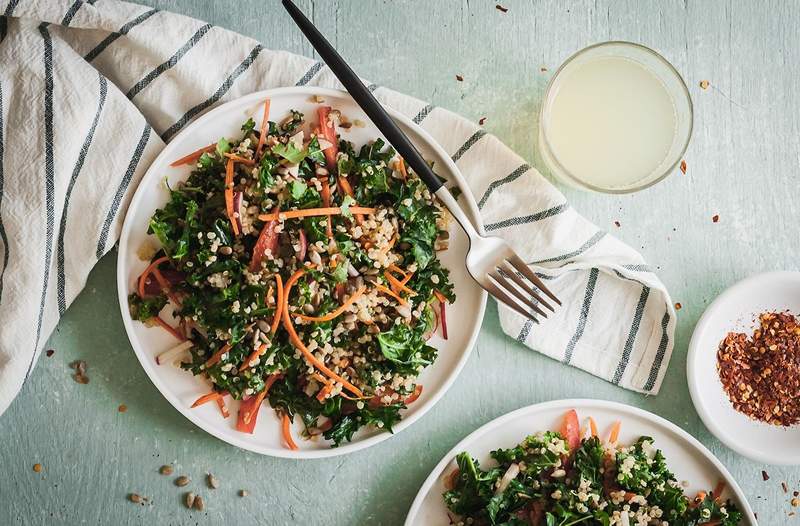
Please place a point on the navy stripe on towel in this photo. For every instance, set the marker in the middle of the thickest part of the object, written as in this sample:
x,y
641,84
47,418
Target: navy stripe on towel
x,y
3,236
70,14
99,48
587,303
424,112
87,142
500,182
626,351
662,350
12,4
526,330
305,79
49,174
123,186
170,63
583,248
475,137
524,220
213,99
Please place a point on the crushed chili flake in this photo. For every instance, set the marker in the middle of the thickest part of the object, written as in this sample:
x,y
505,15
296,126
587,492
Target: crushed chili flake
x,y
715,218
761,373
482,120
785,487
122,408
678,306
459,78
617,224
543,69
501,8
764,475
50,352
683,167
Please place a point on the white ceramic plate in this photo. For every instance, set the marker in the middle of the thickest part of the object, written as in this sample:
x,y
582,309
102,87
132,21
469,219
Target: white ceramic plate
x,y
180,387
686,457
737,309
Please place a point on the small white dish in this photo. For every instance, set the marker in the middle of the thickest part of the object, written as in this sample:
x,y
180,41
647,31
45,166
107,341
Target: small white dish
x,y
687,458
180,387
737,310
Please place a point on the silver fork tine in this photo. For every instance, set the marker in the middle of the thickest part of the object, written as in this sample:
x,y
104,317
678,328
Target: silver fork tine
x,y
520,265
500,295
514,276
500,277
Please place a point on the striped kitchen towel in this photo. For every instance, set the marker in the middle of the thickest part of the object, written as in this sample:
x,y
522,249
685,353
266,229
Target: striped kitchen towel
x,y
89,94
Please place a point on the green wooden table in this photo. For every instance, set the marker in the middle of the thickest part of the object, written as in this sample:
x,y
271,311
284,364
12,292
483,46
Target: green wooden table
x,y
742,165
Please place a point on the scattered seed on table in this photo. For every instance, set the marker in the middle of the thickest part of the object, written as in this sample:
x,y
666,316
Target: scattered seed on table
x,y
501,8
678,306
459,78
795,502
764,475
135,498
182,481
243,493
50,352
213,482
37,468
122,408
189,499
704,84
683,167
166,469
199,505
715,218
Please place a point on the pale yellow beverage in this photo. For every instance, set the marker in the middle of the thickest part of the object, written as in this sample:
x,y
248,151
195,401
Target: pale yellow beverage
x,y
611,123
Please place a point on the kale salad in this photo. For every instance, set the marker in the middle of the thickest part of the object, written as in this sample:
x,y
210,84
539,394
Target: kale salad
x,y
302,271
571,477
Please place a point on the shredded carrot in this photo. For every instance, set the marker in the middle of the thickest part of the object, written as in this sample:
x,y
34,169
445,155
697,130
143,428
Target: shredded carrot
x,y
344,184
260,397
229,196
401,167
310,212
223,408
166,326
391,293
287,434
238,159
406,279
614,435
279,307
209,397
338,310
397,285
593,426
262,136
325,391
253,356
719,489
195,155
287,323
388,247
217,356
148,271
395,268
439,296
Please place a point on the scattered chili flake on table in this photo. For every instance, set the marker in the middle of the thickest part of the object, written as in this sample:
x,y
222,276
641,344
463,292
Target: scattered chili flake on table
x,y
678,306
543,69
500,8
80,372
459,78
683,167
785,487
704,84
764,475
122,408
715,218
482,120
37,468
761,373
49,352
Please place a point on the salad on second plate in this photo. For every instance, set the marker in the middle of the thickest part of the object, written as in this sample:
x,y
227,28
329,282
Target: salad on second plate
x,y
571,477
302,271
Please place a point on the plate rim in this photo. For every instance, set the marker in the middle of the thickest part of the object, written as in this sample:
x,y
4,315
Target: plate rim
x,y
567,403
692,370
122,284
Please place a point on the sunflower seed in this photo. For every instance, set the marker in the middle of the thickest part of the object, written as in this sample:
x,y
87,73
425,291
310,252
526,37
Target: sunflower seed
x,y
165,469
189,499
263,326
199,505
135,498
243,493
182,481
213,482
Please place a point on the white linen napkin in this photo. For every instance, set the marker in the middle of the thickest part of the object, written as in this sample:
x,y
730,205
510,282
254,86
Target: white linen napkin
x,y
89,93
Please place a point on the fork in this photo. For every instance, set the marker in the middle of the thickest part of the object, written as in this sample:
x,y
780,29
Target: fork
x,y
491,262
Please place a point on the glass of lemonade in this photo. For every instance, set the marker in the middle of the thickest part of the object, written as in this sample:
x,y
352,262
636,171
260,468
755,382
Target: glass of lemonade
x,y
616,118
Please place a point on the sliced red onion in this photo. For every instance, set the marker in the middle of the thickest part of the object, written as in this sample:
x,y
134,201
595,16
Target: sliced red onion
x,y
237,209
301,254
173,277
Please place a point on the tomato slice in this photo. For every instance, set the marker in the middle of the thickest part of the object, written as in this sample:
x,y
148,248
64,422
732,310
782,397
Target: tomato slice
x,y
267,239
329,134
571,429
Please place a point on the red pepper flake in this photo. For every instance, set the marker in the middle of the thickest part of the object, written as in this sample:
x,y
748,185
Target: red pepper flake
x,y
683,167
49,352
617,224
764,475
37,468
785,487
715,218
678,306
482,120
501,8
122,408
543,69
761,373
459,78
